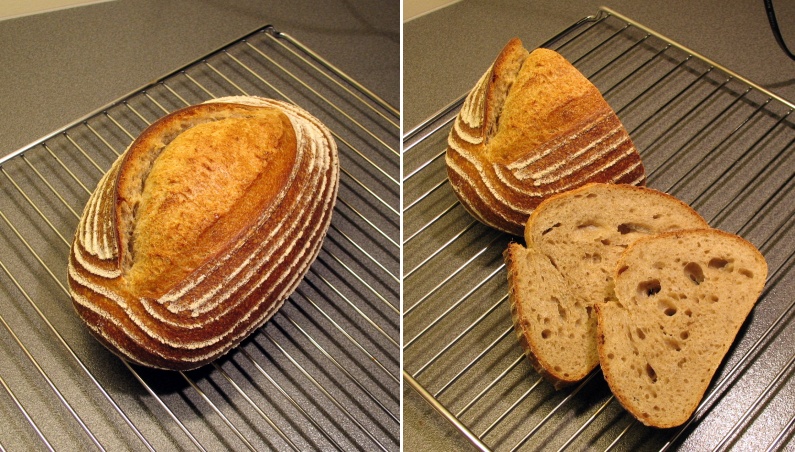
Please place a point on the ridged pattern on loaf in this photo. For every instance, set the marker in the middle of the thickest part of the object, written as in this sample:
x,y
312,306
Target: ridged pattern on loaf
x,y
500,183
223,300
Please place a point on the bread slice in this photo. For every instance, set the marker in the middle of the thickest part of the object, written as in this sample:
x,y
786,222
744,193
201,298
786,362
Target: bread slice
x,y
574,240
681,299
531,127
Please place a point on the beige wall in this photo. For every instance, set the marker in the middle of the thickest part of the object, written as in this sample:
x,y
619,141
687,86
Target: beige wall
x,y
415,8
18,8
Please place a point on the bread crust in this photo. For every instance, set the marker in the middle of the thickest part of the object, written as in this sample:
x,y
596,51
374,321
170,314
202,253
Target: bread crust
x,y
202,228
533,126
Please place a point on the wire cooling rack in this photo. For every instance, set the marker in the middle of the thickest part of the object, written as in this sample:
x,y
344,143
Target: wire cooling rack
x,y
706,135
322,374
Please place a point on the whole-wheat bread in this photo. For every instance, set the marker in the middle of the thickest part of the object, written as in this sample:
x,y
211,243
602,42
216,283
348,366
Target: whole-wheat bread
x,y
574,240
533,126
202,229
681,299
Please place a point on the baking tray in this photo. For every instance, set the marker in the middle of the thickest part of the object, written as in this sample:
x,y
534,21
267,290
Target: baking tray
x,y
322,374
712,138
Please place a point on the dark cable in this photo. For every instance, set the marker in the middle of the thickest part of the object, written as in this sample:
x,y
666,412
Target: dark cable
x,y
771,16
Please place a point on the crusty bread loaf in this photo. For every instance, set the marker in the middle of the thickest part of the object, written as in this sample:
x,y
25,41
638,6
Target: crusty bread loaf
x,y
574,240
682,298
533,126
202,228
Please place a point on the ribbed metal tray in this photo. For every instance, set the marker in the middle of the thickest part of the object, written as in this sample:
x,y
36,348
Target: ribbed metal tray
x,y
706,135
322,374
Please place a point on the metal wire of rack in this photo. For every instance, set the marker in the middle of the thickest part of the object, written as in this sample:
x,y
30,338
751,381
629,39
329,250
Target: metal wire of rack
x,y
715,140
323,373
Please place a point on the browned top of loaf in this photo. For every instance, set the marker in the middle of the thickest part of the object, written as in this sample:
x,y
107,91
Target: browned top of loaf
x,y
553,99
169,183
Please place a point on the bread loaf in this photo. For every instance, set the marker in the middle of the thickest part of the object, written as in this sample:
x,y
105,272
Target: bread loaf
x,y
574,240
202,228
533,126
681,299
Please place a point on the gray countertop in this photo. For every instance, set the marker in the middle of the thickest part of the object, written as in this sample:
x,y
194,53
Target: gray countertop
x,y
445,52
59,66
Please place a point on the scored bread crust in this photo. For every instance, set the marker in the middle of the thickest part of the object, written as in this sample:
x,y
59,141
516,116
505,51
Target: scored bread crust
x,y
682,298
182,251
533,126
573,241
